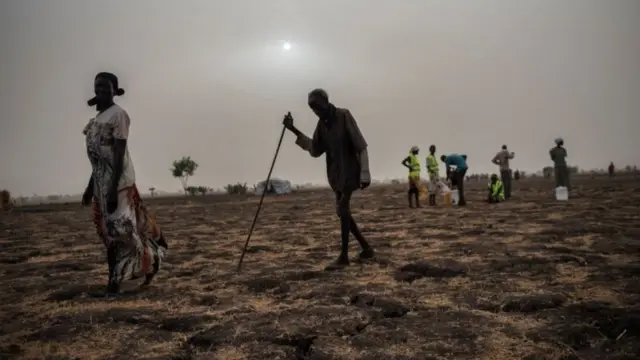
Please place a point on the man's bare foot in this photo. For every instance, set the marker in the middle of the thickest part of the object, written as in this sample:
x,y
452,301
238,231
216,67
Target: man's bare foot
x,y
367,254
340,263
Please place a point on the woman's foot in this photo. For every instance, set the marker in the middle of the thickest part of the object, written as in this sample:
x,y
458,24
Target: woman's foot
x,y
113,288
156,267
147,280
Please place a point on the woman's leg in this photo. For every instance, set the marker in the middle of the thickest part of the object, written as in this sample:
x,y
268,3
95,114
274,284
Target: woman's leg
x,y
99,221
151,238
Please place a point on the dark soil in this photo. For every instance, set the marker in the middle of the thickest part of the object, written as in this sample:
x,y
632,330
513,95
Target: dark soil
x,y
528,279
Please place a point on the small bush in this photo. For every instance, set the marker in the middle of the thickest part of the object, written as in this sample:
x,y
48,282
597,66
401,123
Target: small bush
x,y
237,189
195,190
203,190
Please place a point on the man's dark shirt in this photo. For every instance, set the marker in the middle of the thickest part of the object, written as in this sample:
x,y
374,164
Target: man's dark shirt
x,y
558,155
340,139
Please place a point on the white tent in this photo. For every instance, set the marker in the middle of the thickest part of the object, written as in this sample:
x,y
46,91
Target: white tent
x,y
276,186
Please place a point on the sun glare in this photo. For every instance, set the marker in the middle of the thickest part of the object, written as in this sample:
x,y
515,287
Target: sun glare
x,y
286,46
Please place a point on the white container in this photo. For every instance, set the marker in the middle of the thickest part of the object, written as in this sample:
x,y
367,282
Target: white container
x,y
455,197
562,193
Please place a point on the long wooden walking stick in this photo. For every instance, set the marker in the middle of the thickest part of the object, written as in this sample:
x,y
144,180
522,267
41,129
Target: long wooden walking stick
x,y
264,192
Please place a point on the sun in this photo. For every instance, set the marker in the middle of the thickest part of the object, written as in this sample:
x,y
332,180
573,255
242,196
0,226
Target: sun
x,y
286,46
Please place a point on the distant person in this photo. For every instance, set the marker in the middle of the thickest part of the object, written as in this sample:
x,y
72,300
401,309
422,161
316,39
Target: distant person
x,y
558,155
135,245
337,134
433,169
412,163
612,169
516,175
502,160
5,199
458,174
496,190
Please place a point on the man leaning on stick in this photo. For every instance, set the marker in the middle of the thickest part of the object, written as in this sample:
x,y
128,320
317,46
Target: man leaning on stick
x,y
338,137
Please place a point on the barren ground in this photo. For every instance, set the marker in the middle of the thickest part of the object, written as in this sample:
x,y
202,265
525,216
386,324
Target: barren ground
x,y
530,279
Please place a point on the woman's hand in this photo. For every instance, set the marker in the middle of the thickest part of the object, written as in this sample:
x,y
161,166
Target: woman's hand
x,y
88,192
87,196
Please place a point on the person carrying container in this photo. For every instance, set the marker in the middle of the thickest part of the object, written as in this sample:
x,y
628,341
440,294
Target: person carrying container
x,y
457,175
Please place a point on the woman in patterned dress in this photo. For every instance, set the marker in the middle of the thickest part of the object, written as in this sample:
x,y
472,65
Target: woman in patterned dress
x,y
135,245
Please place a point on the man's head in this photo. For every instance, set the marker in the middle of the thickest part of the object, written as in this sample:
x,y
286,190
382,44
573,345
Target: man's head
x,y
415,150
559,141
443,158
494,178
319,102
504,147
432,149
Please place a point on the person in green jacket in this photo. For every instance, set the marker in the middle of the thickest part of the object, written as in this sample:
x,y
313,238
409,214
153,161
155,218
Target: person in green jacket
x,y
412,163
433,169
496,190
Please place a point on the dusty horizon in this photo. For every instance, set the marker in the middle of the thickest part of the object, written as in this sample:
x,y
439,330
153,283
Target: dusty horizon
x,y
212,81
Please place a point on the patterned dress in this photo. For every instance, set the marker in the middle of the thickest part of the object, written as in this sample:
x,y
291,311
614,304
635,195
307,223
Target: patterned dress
x,y
135,245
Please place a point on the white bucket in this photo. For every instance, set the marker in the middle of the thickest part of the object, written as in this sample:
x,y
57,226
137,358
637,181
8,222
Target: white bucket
x,y
562,193
455,197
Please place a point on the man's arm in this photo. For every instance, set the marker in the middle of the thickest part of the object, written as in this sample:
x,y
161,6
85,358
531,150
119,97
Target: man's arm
x,y
496,159
511,155
119,148
365,174
359,144
313,145
552,154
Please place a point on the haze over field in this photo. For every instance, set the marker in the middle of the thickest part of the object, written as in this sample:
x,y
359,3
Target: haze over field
x,y
211,79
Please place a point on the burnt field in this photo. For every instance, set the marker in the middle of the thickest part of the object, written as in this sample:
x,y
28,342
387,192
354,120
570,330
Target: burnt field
x,y
529,279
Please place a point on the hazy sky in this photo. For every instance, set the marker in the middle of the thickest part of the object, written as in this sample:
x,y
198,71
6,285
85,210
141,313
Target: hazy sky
x,y
209,78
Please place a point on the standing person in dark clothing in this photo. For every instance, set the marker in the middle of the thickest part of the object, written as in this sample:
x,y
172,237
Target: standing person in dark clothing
x,y
412,163
502,160
558,155
457,176
337,135
612,169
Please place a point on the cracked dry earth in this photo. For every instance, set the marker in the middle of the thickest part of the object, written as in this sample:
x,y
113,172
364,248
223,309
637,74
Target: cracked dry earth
x,y
530,279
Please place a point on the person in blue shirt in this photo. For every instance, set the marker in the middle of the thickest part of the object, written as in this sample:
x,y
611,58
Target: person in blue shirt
x,y
458,174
